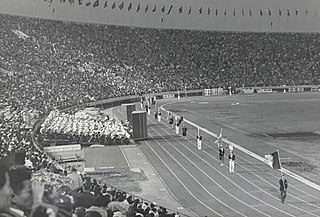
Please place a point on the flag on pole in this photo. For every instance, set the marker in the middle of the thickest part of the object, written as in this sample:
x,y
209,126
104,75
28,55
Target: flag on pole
x,y
130,6
138,8
219,139
155,8
121,6
169,11
225,12
261,14
200,10
106,4
280,12
113,5
269,12
96,3
242,12
163,9
216,12
209,11
189,10
288,12
146,9
297,12
180,10
273,160
234,12
250,12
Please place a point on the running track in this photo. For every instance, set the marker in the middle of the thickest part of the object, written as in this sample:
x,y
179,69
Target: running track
x,y
205,188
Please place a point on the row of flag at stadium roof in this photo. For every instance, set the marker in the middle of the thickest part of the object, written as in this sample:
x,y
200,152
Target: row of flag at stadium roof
x,y
168,9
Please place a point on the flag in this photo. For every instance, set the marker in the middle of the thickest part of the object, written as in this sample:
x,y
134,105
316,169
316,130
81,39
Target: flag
x,y
296,12
273,160
209,11
155,8
105,4
288,12
269,12
88,4
180,10
80,2
169,11
261,14
189,10
280,12
242,12
146,9
113,5
234,12
200,10
96,3
130,6
219,139
225,12
250,12
121,6
163,9
138,8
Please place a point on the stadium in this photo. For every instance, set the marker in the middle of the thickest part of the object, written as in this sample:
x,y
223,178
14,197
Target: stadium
x,y
159,108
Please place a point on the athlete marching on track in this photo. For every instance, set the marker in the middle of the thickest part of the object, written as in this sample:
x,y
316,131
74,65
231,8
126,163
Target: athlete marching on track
x,y
283,188
221,155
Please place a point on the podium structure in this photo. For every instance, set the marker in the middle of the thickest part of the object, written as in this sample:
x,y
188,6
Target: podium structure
x,y
139,125
126,110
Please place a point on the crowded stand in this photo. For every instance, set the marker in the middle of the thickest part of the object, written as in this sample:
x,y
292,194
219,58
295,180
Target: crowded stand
x,y
47,66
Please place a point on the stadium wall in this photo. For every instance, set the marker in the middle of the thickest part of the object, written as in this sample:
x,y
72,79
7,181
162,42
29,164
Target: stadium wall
x,y
233,15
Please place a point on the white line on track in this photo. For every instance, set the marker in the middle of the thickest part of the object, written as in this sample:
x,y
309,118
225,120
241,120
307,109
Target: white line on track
x,y
125,157
223,176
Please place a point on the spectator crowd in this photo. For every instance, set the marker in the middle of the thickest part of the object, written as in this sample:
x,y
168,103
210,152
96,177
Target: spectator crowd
x,y
48,66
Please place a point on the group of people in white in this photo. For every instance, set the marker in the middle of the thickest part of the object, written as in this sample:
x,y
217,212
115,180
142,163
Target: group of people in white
x,y
84,125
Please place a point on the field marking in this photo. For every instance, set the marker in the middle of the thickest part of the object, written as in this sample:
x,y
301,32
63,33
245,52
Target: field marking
x,y
102,168
266,135
125,157
286,171
261,190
